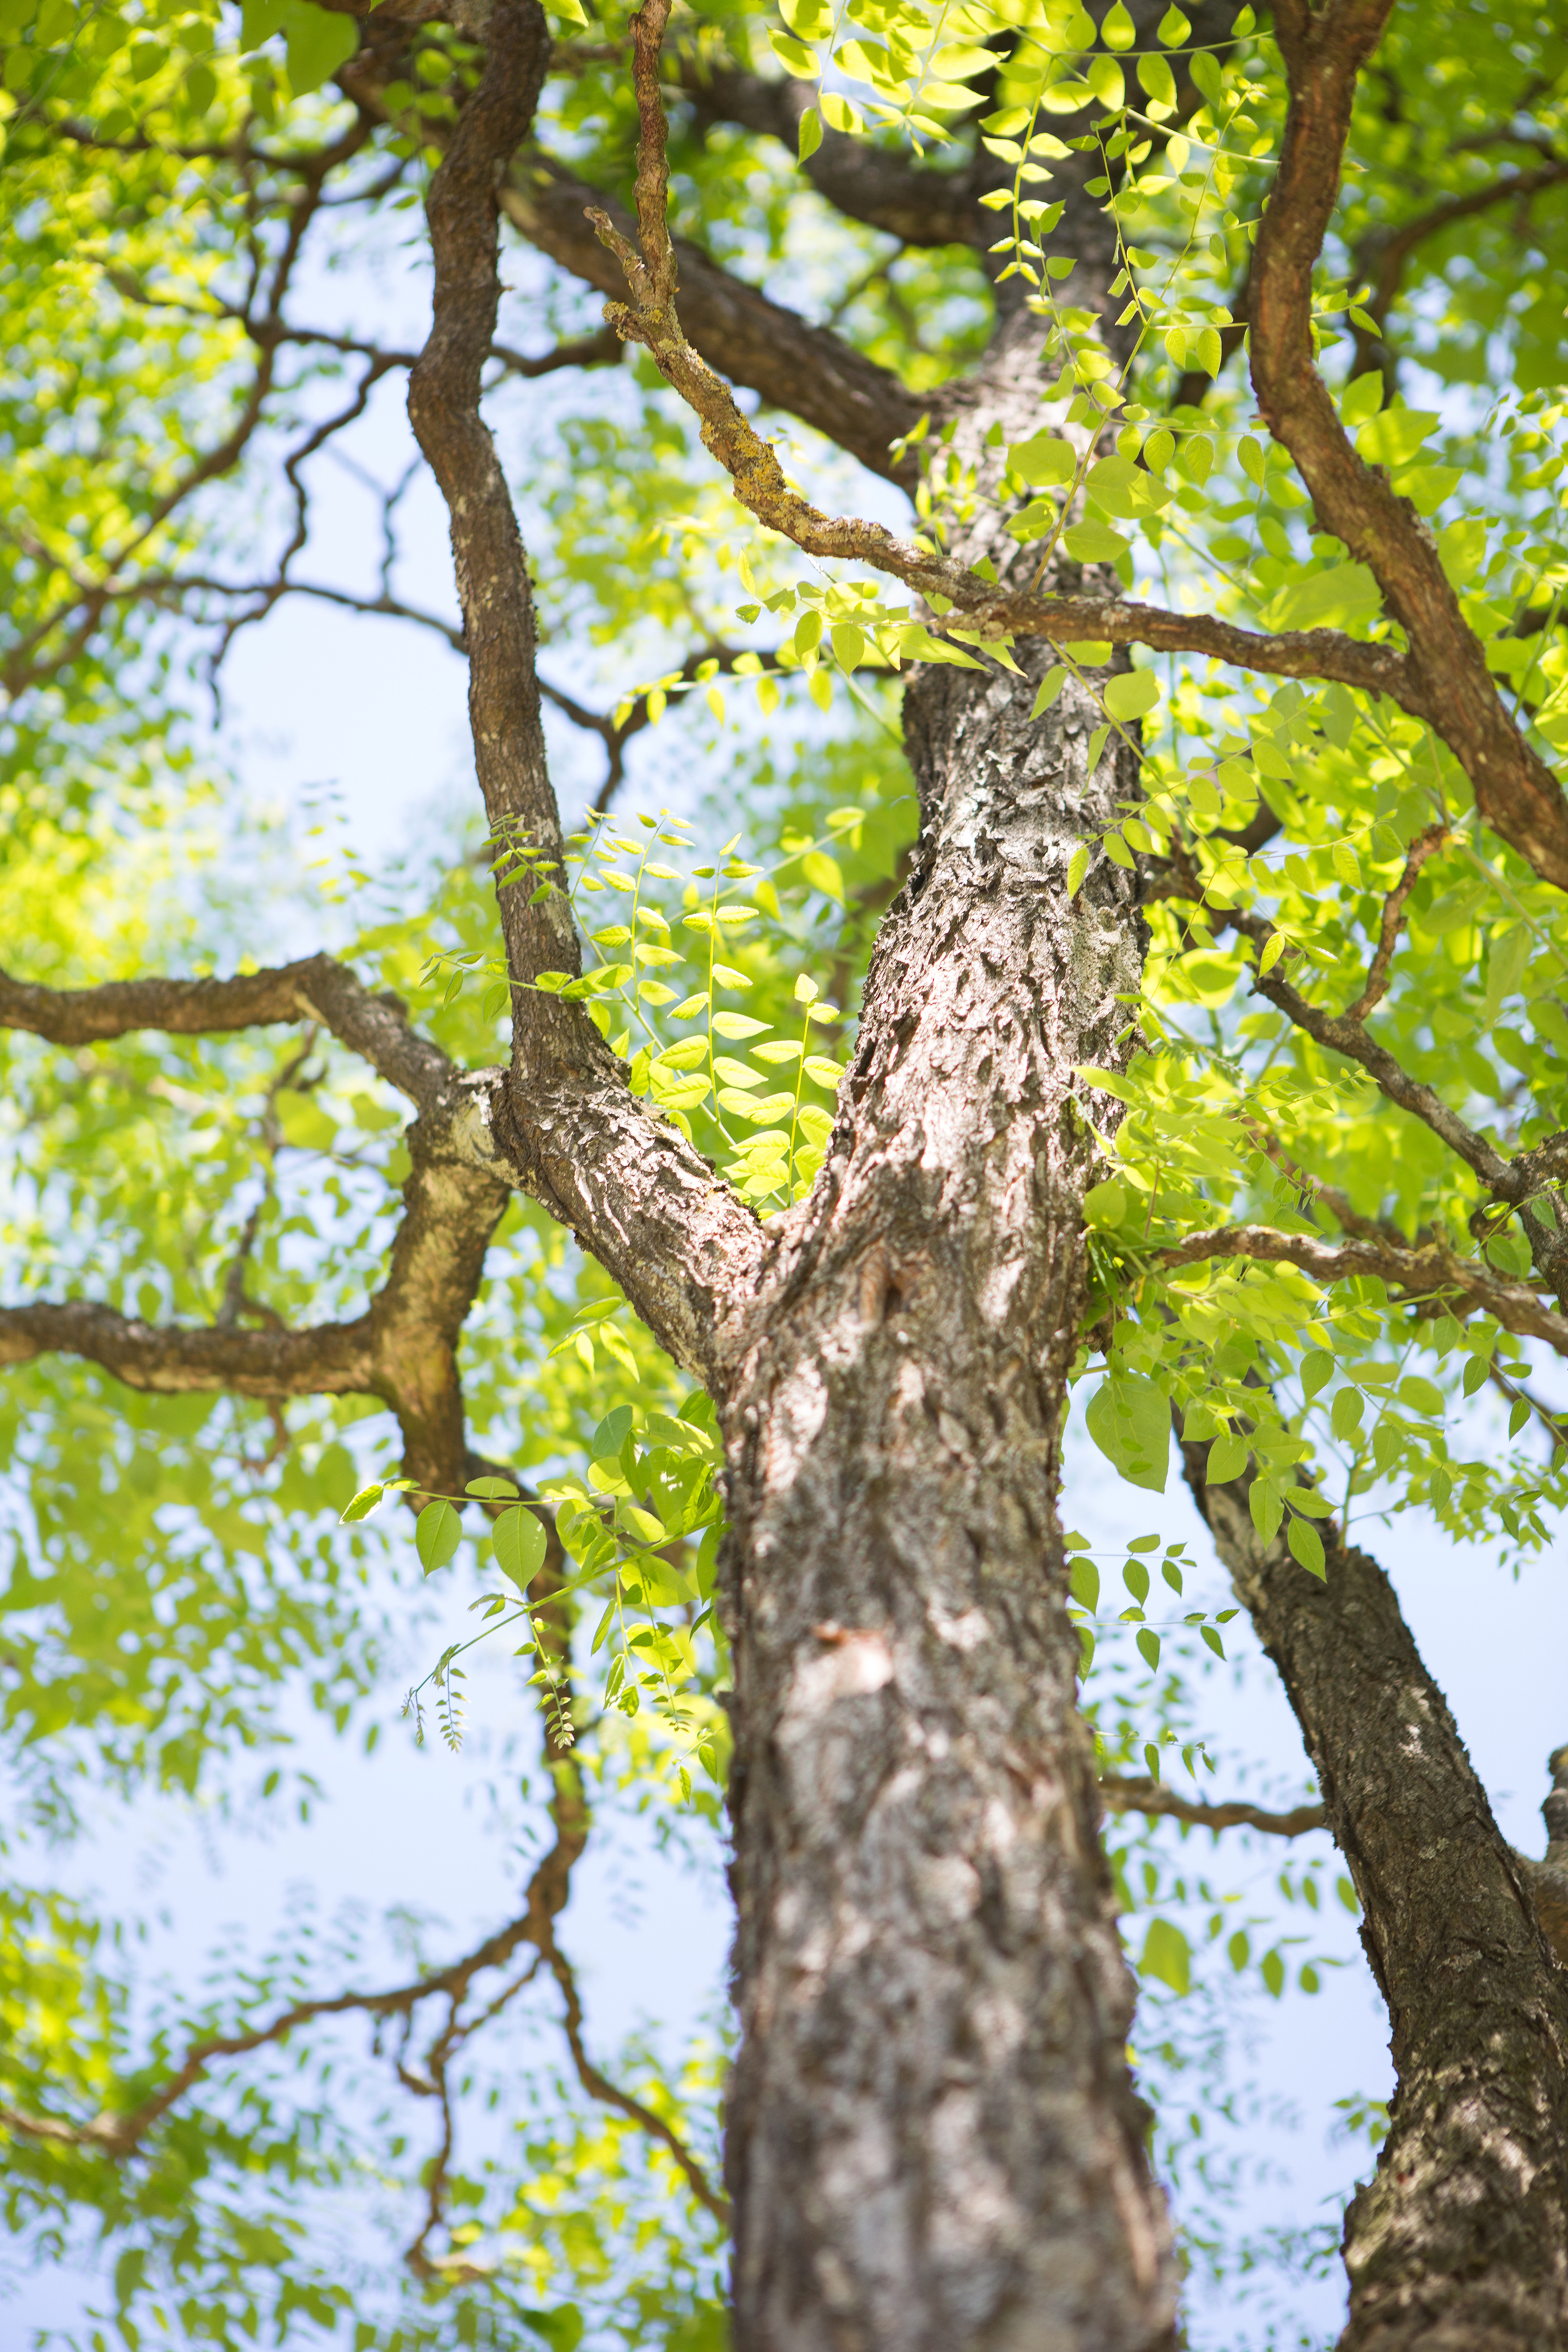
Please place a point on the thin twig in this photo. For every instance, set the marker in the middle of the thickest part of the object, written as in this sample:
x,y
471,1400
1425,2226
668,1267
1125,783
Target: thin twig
x,y
1130,1793
1424,845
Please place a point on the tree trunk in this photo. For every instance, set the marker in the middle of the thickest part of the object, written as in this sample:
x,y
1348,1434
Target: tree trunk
x,y
933,2140
1461,2239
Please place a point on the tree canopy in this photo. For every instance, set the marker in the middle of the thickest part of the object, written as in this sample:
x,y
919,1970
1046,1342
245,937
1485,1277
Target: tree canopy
x,y
1050,521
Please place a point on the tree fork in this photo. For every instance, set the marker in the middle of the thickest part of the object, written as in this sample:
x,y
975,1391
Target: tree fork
x,y
934,2137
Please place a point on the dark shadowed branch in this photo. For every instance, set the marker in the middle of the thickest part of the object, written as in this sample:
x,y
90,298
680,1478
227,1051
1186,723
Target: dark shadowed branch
x,y
1456,2240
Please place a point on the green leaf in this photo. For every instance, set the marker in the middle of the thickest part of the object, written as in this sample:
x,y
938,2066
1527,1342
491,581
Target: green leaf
x,y
1507,961
1148,1646
1129,1418
1211,977
738,1024
1084,1581
688,1054
363,1503
1317,1372
1306,1545
1078,867
1345,1413
1167,1956
1229,1457
611,1435
258,20
319,42
1045,461
1051,686
810,133
1394,437
824,874
1174,28
1094,543
436,1535
1361,398
303,1122
491,1490
793,56
1273,1969
1268,1507
1106,79
520,1545
1462,548
1426,487
1132,695
1106,1204
1195,458
1345,595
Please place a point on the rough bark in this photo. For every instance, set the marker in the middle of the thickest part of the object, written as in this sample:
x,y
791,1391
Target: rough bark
x,y
933,2141
1461,2239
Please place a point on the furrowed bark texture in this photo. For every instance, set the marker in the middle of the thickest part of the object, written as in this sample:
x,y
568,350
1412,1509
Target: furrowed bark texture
x,y
1461,2239
933,2142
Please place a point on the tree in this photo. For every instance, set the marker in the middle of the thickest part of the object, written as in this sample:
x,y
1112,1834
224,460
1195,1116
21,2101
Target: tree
x,y
1063,1147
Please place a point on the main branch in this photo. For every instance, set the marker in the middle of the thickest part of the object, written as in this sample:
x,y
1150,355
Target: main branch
x,y
635,1191
1324,50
